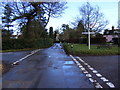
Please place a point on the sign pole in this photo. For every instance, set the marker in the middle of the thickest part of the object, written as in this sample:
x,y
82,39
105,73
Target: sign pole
x,y
89,39
88,32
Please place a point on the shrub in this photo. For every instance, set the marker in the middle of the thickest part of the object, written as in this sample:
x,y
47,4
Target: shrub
x,y
22,43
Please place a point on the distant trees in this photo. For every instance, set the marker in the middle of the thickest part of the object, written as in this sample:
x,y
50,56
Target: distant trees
x,y
66,31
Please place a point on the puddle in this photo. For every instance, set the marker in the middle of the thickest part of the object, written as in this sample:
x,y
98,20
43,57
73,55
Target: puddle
x,y
67,67
69,62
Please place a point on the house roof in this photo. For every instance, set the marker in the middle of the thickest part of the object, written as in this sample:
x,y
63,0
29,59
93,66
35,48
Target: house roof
x,y
111,32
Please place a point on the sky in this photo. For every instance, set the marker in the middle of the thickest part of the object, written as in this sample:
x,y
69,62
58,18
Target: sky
x,y
108,8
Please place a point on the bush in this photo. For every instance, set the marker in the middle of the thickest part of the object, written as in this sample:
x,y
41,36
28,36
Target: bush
x,y
101,40
22,43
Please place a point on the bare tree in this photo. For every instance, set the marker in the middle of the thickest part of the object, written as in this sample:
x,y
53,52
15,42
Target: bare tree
x,y
27,12
39,10
92,18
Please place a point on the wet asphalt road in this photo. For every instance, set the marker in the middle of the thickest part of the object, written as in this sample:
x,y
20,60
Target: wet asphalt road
x,y
11,57
48,68
52,68
106,65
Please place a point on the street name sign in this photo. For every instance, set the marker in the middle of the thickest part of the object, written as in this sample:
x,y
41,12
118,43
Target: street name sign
x,y
88,32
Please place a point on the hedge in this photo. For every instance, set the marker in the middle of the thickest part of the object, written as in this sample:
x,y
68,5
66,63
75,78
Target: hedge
x,y
22,43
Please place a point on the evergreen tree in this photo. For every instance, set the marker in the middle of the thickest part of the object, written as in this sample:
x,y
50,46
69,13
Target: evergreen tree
x,y
51,32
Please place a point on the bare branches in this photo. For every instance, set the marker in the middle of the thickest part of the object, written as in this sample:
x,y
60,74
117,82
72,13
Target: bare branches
x,y
92,17
37,10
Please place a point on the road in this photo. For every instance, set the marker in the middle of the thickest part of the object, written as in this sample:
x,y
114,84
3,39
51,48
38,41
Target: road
x,y
14,56
52,68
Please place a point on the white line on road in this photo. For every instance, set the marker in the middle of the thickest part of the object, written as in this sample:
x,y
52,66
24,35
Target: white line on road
x,y
99,75
94,71
111,85
104,79
88,75
85,72
92,80
97,85
25,57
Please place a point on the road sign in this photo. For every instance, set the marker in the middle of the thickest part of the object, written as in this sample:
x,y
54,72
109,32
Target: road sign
x,y
87,32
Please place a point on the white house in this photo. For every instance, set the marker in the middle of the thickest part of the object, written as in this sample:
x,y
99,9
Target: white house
x,y
110,34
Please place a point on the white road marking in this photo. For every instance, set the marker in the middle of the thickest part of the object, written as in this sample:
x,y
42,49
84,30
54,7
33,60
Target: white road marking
x,y
99,75
78,64
74,59
98,85
25,57
81,59
91,68
82,68
85,72
94,71
88,66
85,63
111,85
92,80
88,75
104,79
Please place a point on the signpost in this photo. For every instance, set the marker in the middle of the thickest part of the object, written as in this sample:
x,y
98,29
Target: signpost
x,y
88,37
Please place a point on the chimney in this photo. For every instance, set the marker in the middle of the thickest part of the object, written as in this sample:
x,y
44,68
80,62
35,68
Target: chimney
x,y
112,27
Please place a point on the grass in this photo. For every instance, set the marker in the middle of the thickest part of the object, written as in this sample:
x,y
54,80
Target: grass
x,y
82,49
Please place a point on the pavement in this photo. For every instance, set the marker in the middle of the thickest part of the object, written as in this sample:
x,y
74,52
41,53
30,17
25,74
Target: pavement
x,y
52,68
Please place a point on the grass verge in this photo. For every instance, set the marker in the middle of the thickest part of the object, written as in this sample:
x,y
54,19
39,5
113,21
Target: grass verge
x,y
82,49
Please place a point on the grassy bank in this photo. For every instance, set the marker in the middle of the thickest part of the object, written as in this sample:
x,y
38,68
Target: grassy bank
x,y
82,49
